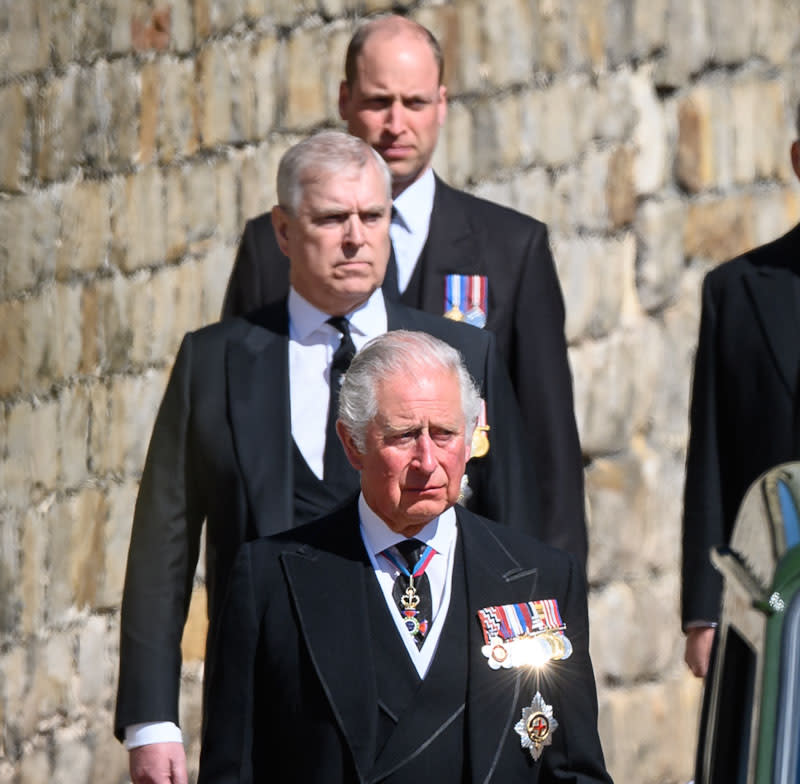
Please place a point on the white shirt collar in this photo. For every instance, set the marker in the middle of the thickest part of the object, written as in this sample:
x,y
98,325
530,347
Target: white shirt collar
x,y
415,203
439,533
368,319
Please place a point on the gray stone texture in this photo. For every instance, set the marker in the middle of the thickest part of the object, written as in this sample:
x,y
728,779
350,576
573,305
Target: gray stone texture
x,y
138,136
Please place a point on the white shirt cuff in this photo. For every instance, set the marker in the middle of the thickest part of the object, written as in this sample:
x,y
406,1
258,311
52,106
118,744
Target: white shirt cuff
x,y
700,625
152,732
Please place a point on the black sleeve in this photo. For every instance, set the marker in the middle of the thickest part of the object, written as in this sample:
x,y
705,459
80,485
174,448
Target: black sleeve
x,y
540,372
576,754
703,523
227,746
163,552
260,272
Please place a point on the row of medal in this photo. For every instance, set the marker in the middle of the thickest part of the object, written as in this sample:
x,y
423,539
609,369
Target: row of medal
x,y
528,634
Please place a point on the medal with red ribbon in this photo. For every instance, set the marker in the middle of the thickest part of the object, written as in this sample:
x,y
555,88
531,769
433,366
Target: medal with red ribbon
x,y
466,298
410,599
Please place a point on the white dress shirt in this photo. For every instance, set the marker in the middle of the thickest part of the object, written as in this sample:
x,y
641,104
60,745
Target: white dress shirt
x,y
411,221
312,342
441,534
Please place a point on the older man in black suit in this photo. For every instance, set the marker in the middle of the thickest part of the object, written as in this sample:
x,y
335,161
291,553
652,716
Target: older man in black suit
x,y
454,254
401,639
744,415
244,438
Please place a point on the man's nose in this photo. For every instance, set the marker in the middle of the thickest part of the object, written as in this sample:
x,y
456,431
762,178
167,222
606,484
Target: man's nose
x,y
395,118
354,230
423,455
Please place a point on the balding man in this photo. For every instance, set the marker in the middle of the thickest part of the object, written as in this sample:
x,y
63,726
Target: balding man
x,y
402,638
244,439
454,254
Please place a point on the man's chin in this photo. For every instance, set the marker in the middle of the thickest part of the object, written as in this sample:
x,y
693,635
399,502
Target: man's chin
x,y
404,172
425,507
354,291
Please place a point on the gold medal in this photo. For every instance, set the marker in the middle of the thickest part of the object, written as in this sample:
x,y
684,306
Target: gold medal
x,y
556,643
454,314
480,441
480,435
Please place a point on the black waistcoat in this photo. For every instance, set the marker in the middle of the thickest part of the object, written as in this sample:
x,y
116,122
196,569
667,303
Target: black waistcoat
x,y
405,700
312,497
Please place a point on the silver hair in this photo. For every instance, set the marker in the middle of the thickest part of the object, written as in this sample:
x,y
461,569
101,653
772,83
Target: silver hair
x,y
400,352
325,152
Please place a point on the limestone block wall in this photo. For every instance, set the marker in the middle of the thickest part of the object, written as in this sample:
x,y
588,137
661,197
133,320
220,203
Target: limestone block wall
x,y
137,136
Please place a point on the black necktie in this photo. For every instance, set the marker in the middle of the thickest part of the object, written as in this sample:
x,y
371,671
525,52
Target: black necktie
x,y
336,470
417,617
390,287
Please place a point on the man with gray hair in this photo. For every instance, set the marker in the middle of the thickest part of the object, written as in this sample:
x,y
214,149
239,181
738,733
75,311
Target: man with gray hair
x,y
245,438
370,645
453,254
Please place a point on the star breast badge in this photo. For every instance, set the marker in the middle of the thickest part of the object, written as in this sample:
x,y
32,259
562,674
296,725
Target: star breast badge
x,y
536,727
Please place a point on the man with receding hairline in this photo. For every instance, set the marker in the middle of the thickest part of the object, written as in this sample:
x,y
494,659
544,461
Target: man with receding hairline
x,y
453,254
365,646
245,442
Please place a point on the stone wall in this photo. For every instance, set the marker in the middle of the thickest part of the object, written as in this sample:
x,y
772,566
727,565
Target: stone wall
x,y
137,136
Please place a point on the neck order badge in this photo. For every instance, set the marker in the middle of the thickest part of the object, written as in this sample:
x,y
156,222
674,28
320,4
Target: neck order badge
x,y
412,589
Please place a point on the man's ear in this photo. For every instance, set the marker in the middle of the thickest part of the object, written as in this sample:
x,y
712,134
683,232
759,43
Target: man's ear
x,y
442,108
280,223
344,99
796,158
350,449
468,447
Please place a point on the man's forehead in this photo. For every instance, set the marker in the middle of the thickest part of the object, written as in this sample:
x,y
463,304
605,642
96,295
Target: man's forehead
x,y
382,48
419,393
329,198
377,88
360,186
428,416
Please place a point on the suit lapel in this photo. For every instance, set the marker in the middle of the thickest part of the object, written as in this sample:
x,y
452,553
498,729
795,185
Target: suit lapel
x,y
327,585
493,577
400,317
453,247
773,293
257,369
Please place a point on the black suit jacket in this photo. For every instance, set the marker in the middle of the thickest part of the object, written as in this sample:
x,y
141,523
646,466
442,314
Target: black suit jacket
x,y
292,696
471,236
743,414
221,452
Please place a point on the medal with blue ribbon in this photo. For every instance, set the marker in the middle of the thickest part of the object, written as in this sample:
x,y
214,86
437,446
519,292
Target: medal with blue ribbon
x,y
410,599
466,298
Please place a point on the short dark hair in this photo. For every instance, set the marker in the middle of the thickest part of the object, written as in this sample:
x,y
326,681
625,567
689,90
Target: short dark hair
x,y
390,21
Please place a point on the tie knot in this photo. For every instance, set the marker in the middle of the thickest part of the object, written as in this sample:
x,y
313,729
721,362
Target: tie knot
x,y
340,323
411,550
346,350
